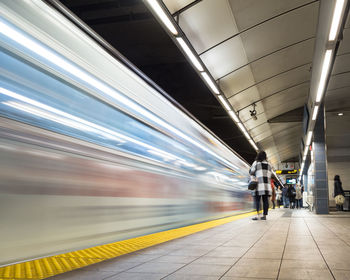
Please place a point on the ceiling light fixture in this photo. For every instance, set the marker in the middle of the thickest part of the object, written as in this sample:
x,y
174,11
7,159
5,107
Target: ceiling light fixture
x,y
308,140
162,15
336,19
210,83
234,116
323,78
224,102
340,114
190,54
314,114
254,145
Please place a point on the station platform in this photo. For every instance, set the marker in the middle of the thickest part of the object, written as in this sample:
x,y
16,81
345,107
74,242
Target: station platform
x,y
290,244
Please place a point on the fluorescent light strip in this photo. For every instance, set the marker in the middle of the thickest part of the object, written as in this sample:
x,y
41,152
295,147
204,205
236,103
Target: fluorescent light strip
x,y
190,54
314,114
308,139
323,78
224,102
210,83
254,145
234,116
336,19
162,15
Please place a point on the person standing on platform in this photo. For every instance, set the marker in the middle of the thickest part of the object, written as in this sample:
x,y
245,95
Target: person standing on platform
x,y
338,191
298,197
262,170
279,197
273,196
285,196
291,196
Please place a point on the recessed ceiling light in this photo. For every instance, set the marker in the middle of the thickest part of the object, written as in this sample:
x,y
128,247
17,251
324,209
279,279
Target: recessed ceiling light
x,y
340,114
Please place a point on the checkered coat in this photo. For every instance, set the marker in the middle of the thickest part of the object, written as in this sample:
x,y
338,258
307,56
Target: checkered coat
x,y
262,171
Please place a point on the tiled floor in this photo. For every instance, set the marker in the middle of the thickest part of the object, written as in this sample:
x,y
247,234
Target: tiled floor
x,y
291,244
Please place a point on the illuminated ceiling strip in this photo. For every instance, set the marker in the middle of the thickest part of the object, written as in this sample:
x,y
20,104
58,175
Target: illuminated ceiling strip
x,y
190,54
163,16
210,82
224,102
314,114
336,19
323,78
196,62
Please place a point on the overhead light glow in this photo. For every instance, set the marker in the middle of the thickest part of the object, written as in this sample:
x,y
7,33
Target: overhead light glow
x,y
210,83
224,102
234,116
190,54
340,114
241,127
254,145
323,78
336,19
162,15
314,114
308,139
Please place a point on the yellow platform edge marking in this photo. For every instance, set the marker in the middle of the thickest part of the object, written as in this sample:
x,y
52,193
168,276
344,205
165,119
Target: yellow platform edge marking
x,y
50,266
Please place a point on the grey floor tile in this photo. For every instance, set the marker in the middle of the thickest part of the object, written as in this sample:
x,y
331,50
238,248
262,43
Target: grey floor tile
x,y
83,275
265,268
312,264
175,259
190,277
156,267
227,252
305,273
341,274
203,269
137,276
215,260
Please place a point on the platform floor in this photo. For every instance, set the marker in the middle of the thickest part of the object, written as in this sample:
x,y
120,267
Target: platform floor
x,y
291,244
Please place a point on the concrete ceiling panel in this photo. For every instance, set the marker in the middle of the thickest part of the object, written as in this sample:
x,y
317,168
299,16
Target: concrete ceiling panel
x,y
250,12
208,23
237,81
241,100
225,57
342,64
280,32
283,60
345,43
339,81
175,5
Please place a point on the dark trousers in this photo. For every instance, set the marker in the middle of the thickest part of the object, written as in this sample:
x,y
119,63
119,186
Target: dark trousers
x,y
265,199
299,203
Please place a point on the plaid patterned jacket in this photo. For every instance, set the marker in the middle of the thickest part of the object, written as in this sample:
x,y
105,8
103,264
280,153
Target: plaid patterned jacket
x,y
262,171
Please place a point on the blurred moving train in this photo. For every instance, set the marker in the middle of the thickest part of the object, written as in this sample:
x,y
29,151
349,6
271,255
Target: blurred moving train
x,y
90,152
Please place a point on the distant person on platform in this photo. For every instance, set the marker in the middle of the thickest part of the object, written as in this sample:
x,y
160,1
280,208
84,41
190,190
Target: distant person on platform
x,y
338,193
285,196
298,197
262,170
279,196
291,195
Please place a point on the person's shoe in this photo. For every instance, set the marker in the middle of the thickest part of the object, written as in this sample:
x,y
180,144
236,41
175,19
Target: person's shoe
x,y
255,218
263,218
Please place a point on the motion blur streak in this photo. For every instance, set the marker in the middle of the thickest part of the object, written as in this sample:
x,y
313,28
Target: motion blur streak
x,y
90,153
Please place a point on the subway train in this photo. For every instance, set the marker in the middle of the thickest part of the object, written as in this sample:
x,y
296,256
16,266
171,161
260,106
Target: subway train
x,y
91,152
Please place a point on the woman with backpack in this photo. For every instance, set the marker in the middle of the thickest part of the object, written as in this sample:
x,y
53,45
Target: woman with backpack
x,y
262,170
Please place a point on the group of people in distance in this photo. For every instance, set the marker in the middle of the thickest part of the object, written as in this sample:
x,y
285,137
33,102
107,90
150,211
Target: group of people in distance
x,y
288,195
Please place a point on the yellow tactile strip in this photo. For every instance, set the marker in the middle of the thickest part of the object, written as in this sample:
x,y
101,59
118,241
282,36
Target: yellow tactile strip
x,y
49,266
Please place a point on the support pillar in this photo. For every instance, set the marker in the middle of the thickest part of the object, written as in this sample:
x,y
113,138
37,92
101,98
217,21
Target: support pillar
x,y
321,179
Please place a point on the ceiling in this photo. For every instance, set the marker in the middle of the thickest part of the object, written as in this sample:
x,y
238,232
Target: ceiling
x,y
259,52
